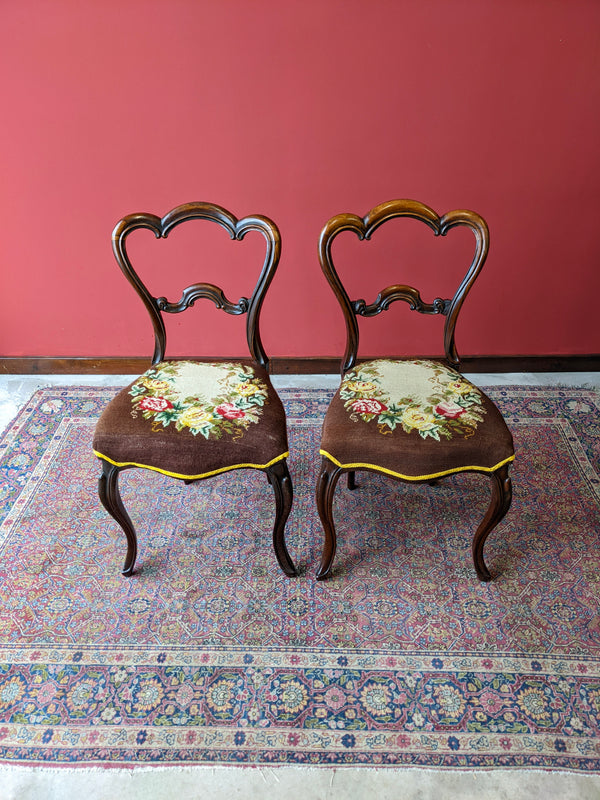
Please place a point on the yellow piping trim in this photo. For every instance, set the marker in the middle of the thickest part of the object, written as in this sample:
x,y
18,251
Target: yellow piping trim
x,y
191,477
415,477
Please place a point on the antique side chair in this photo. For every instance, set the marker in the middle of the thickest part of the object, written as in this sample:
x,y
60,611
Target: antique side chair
x,y
192,419
415,420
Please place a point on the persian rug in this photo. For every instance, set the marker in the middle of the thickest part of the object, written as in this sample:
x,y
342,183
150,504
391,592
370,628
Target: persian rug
x,y
210,655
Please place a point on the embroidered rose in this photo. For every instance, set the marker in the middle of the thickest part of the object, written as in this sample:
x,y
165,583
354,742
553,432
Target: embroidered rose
x,y
245,389
194,417
449,410
360,387
155,404
370,406
155,385
229,411
415,418
460,387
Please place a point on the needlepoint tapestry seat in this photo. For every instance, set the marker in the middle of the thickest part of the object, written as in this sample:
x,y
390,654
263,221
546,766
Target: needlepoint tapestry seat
x,y
415,420
192,419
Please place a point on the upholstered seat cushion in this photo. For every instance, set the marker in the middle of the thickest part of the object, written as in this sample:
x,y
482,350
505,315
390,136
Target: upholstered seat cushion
x,y
413,419
192,419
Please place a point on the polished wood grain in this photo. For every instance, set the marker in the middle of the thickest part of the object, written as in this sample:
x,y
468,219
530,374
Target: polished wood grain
x,y
110,497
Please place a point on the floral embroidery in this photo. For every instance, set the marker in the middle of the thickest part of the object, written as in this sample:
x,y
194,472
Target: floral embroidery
x,y
418,395
368,406
155,404
207,399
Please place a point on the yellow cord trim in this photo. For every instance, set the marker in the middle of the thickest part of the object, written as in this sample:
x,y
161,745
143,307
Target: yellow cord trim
x,y
415,477
191,477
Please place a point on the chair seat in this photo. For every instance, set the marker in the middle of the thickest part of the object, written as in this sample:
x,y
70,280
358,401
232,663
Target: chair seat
x,y
193,419
415,420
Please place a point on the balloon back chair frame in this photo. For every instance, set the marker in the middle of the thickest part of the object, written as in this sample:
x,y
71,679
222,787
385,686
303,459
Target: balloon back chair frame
x,y
364,227
277,473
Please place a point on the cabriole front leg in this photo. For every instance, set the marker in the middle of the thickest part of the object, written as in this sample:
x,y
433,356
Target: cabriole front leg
x,y
110,497
499,505
326,484
279,478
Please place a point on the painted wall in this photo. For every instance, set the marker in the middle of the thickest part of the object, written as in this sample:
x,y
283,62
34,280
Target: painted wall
x,y
299,110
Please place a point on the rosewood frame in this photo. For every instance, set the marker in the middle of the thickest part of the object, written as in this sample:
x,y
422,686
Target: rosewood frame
x,y
277,474
364,227
237,229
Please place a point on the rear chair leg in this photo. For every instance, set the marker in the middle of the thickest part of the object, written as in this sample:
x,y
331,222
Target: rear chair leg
x,y
110,497
499,505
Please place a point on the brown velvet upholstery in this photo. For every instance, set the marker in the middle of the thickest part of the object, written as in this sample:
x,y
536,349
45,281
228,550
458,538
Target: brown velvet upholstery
x,y
438,443
126,438
193,419
412,419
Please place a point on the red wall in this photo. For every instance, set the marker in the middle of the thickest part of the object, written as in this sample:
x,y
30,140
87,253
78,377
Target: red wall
x,y
300,110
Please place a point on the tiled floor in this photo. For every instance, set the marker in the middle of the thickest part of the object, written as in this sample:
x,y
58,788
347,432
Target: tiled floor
x,y
310,784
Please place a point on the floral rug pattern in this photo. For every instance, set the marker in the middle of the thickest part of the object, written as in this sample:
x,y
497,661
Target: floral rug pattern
x,y
419,395
209,654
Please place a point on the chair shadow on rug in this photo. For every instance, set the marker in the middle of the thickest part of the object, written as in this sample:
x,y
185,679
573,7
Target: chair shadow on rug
x,y
415,420
193,419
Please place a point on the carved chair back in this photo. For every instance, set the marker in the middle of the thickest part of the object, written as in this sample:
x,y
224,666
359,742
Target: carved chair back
x,y
364,227
237,229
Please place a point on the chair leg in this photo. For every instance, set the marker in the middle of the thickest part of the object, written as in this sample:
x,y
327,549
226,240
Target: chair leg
x,y
326,484
110,497
499,505
279,478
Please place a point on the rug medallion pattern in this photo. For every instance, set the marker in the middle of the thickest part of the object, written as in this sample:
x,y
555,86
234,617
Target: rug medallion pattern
x,y
209,654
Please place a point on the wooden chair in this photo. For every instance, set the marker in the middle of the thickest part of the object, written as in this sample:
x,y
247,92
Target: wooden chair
x,y
194,419
412,419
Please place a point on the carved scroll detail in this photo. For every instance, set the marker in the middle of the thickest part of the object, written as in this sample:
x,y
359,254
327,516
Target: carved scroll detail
x,y
206,291
408,294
